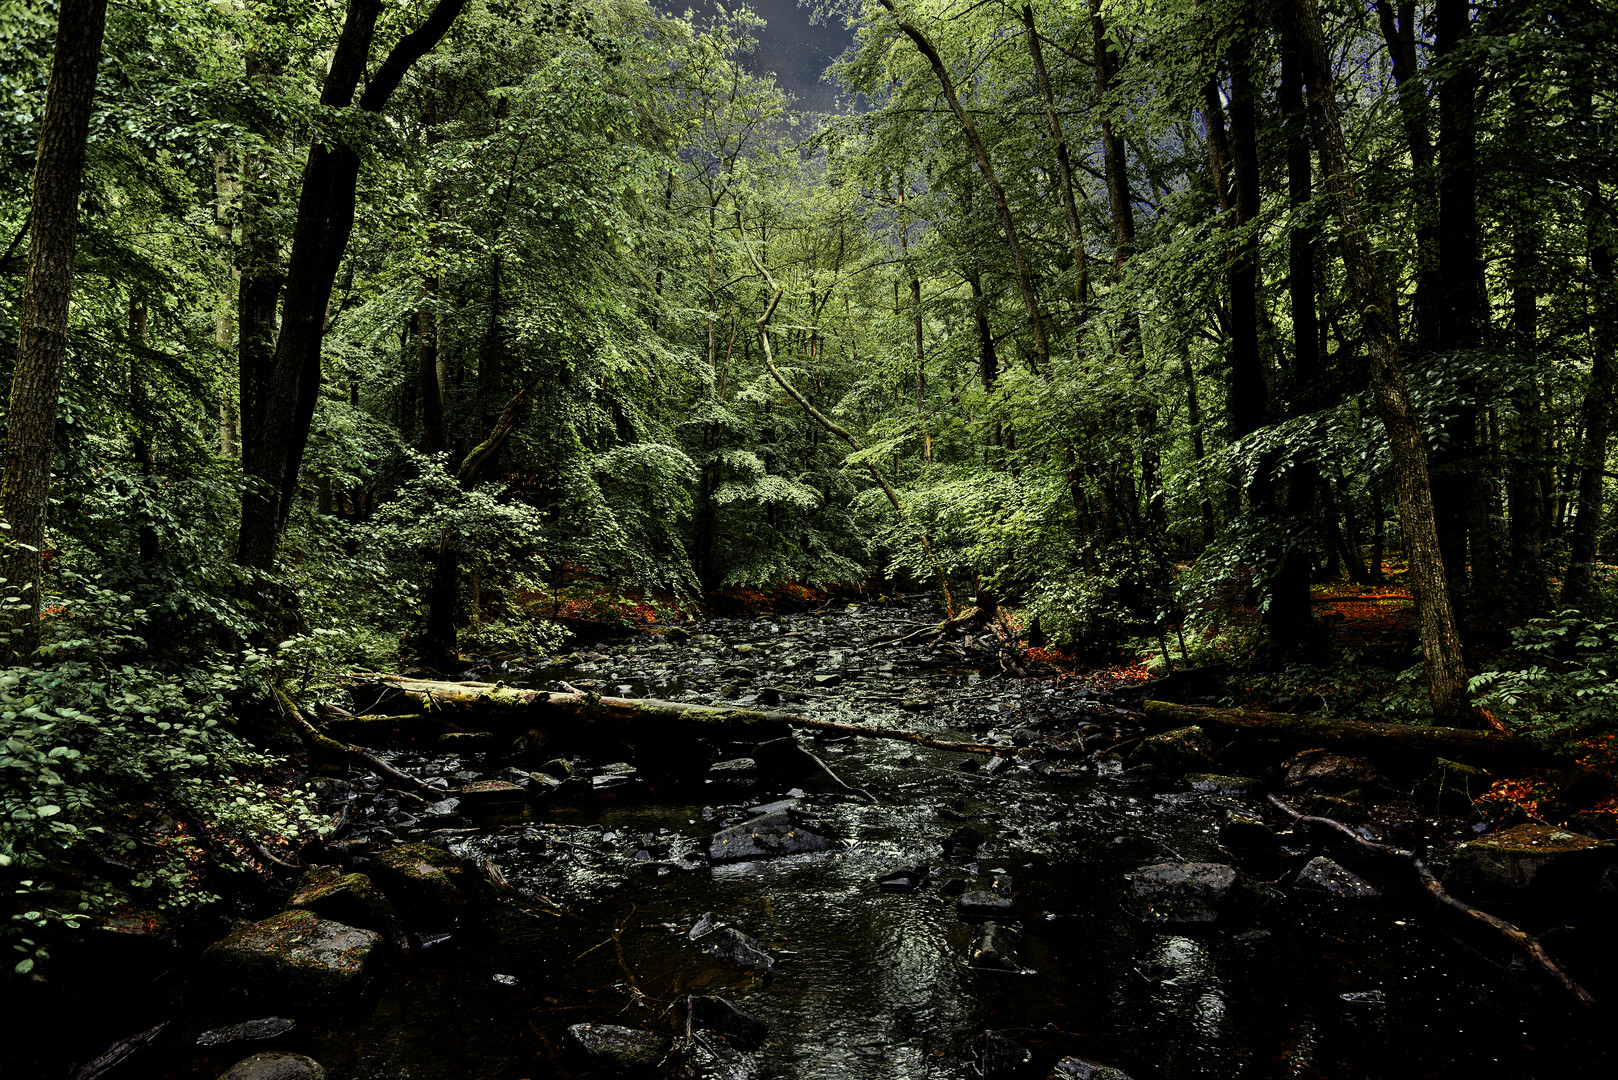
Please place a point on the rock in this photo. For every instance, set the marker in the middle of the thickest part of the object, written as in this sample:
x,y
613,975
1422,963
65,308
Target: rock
x,y
995,1057
1077,1068
1364,999
1451,787
997,765
1335,807
1322,877
902,879
430,884
1528,857
735,771
677,635
1321,772
1235,787
1182,750
275,1065
267,1028
345,898
704,926
963,842
1242,833
561,768
1183,893
482,793
951,887
619,1049
298,955
735,947
744,1032
976,906
828,680
780,833
995,949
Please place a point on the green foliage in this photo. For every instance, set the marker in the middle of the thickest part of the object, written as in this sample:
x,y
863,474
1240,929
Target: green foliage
x,y
1560,682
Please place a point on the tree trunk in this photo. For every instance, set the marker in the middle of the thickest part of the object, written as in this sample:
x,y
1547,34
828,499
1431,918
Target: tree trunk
x,y
1435,621
1583,544
140,441
1064,172
25,470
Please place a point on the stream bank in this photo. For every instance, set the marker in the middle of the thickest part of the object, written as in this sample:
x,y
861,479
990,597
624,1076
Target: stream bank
x,y
977,895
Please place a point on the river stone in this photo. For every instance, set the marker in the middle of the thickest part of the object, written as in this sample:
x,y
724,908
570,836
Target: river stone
x,y
298,955
999,1058
963,842
1322,772
346,898
902,879
267,1028
481,793
560,768
1077,1068
1242,833
737,770
985,904
1323,877
718,1014
995,949
430,884
1235,787
1183,893
275,1065
732,945
1182,750
620,1049
1528,856
780,833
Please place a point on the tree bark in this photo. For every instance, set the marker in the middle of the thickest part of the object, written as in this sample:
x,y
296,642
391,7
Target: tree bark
x,y
1064,172
291,384
1583,542
1435,621
25,470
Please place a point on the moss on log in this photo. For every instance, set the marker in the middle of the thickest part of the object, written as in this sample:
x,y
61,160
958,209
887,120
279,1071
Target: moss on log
x,y
1360,736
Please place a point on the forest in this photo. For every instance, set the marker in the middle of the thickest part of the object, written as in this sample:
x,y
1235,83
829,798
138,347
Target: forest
x,y
1271,339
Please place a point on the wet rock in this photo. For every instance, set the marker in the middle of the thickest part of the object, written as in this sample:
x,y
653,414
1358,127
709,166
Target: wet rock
x,y
352,899
1336,807
275,1065
828,680
780,833
1182,750
996,765
1323,877
735,947
431,885
975,906
704,926
1364,999
1450,787
619,1049
1321,772
1235,787
1183,893
744,1032
267,1028
479,794
560,768
677,635
995,1057
963,843
951,887
1077,1068
995,949
1239,832
902,879
735,771
1528,857
298,955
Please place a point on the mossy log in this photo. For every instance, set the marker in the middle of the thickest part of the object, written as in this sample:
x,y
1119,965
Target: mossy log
x,y
1358,736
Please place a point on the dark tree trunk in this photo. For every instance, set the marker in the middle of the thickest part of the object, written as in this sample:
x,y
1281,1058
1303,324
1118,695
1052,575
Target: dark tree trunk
x,y
1399,34
1525,502
25,470
1435,621
140,440
1064,172
1583,543
291,384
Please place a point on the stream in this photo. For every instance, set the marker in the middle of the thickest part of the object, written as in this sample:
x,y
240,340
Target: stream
x,y
875,985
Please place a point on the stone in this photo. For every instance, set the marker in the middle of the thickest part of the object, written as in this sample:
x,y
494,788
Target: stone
x,y
1183,893
275,1065
346,898
995,949
1322,772
1323,877
733,946
951,887
430,884
560,768
1242,833
299,956
619,1049
1451,787
766,837
267,1028
996,1057
975,906
744,1032
1182,750
737,770
902,879
1077,1068
1235,787
827,680
1528,857
704,926
965,840
483,793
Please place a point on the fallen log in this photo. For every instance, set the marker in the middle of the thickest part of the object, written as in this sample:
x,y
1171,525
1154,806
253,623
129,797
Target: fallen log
x,y
1527,943
490,704
1359,736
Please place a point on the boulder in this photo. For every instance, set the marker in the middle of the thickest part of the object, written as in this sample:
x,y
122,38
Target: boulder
x,y
299,956
480,794
1182,894
269,1027
995,949
744,1032
735,771
1235,787
431,885
1323,877
275,1065
963,843
1239,832
1528,857
619,1049
779,833
985,904
1321,772
346,898
1186,749
902,879
735,947
1077,1068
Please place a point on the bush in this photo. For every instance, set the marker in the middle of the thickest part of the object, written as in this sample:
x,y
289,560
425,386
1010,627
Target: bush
x,y
1561,684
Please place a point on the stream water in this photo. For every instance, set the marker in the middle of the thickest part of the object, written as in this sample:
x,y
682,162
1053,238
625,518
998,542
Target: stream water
x,y
870,985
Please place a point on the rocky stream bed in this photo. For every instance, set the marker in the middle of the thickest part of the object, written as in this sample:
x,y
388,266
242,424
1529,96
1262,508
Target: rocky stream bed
x,y
903,912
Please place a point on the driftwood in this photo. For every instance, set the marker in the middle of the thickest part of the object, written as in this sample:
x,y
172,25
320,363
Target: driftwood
x,y
321,744
1358,736
967,622
1527,943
